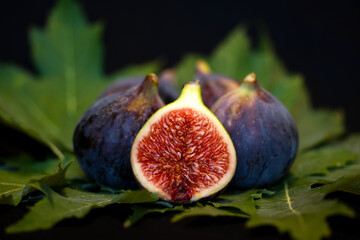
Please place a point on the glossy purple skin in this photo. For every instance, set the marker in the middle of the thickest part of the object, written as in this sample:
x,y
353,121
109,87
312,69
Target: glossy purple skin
x,y
214,86
167,91
104,135
264,134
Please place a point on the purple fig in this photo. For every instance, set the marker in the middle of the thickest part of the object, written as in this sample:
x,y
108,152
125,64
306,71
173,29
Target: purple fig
x,y
106,131
213,85
263,131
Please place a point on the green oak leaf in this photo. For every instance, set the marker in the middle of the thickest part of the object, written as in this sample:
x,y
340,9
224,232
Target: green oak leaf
x,y
351,143
353,188
236,58
318,126
14,185
298,209
135,70
207,210
185,70
232,56
67,54
352,168
139,211
73,203
242,200
293,205
69,58
319,161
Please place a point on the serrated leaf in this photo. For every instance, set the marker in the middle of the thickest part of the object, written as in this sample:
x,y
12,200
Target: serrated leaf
x,y
73,203
68,57
139,211
352,169
298,209
351,143
12,187
185,70
353,188
15,185
75,171
136,70
19,109
319,161
139,196
318,126
224,205
207,210
243,201
232,55
235,57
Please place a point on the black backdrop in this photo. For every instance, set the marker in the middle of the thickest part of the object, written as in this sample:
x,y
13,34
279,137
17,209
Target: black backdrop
x,y
317,39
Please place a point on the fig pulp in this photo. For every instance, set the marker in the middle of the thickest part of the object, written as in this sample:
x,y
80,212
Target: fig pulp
x,y
213,85
167,89
106,131
263,131
183,153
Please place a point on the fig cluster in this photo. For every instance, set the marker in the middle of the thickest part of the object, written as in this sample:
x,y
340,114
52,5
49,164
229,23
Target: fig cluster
x,y
140,132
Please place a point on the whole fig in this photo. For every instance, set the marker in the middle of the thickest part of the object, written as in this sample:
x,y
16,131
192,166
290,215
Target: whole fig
x,y
263,131
167,90
104,135
213,85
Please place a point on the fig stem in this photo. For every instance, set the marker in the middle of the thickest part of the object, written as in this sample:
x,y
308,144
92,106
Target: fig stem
x,y
191,92
250,78
202,67
248,85
148,91
149,85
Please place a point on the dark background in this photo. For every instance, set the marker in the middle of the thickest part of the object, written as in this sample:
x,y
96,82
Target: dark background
x,y
317,39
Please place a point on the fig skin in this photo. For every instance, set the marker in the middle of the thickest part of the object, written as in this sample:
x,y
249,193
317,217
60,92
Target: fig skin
x,y
213,85
263,131
167,90
105,133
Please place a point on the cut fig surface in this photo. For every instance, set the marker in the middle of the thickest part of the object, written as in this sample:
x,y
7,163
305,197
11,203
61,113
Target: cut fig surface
x,y
183,153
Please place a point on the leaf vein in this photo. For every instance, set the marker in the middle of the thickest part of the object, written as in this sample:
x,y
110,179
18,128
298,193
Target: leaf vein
x,y
289,202
13,190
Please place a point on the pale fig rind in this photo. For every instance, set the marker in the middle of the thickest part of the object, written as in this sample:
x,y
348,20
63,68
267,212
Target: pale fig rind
x,y
104,135
191,157
263,131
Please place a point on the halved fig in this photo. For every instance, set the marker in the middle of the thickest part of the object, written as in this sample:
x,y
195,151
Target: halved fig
x,y
183,152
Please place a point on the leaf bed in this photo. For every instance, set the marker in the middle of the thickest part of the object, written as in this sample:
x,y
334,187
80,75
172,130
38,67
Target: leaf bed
x,y
68,57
